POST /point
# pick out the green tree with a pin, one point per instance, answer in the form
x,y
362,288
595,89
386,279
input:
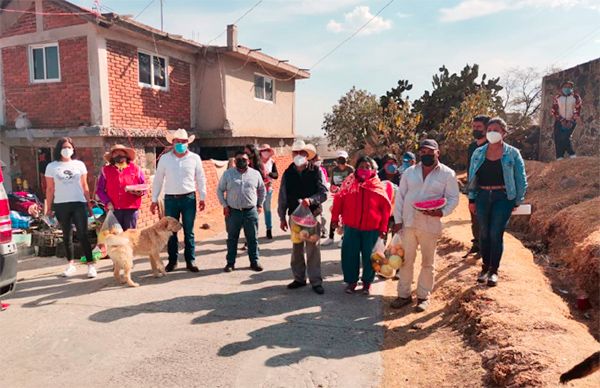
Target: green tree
x,y
455,134
396,132
395,94
353,120
449,91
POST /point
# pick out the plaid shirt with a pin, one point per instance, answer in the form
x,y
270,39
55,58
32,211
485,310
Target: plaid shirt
x,y
566,107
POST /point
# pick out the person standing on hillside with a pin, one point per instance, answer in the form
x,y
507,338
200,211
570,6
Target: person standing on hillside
x,y
566,109
478,127
338,174
180,173
270,168
427,180
241,192
302,185
497,185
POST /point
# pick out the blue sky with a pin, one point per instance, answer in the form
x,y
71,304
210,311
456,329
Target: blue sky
x,y
411,39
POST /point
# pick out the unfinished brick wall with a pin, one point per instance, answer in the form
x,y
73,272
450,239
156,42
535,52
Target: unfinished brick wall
x,y
58,21
133,106
24,25
49,105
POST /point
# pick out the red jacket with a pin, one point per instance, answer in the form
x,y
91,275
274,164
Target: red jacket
x,y
112,182
363,208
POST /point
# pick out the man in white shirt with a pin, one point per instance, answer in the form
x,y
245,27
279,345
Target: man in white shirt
x,y
185,176
427,180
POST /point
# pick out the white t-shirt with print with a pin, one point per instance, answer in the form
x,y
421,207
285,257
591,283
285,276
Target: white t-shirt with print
x,y
67,180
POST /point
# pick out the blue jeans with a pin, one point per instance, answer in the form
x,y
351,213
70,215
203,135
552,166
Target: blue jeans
x,y
357,247
186,208
267,209
493,213
238,219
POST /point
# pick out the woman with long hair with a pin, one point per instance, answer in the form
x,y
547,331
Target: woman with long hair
x,y
68,196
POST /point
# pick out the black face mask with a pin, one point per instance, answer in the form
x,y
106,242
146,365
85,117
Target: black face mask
x,y
341,161
478,135
242,164
119,159
428,160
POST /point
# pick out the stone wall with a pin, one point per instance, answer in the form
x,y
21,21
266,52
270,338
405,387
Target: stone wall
x,y
586,137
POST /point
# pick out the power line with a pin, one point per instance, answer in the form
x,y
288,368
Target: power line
x,y
235,21
351,35
577,45
145,8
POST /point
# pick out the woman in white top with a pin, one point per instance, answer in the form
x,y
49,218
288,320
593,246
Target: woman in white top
x,y
68,196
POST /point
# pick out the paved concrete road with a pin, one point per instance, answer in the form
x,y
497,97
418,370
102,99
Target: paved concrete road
x,y
211,329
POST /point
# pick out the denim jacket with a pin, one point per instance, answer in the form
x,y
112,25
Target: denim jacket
x,y
513,169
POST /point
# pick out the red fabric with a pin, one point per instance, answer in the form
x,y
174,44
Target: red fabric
x,y
115,186
363,205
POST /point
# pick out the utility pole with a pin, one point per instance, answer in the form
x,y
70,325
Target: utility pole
x,y
161,16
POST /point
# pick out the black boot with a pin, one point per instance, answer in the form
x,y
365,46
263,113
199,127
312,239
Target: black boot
x,y
269,234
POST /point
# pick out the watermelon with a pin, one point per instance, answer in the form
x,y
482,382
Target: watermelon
x,y
142,187
433,204
308,222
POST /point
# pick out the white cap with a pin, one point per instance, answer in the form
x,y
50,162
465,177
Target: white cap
x,y
342,154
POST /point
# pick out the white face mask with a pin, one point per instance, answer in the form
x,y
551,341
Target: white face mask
x,y
66,152
319,163
493,137
299,160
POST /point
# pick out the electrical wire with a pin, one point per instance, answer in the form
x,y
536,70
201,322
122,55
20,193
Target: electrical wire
x,y
235,21
145,8
351,36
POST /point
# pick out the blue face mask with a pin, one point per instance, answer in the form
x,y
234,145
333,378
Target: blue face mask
x,y
567,91
180,148
405,165
391,168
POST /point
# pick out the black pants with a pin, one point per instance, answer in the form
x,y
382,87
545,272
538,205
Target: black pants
x,y
562,139
70,213
475,230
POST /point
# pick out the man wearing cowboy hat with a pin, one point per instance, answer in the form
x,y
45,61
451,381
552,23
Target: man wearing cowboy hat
x,y
112,188
266,156
185,177
302,185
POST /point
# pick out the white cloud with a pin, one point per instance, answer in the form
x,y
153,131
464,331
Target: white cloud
x,y
402,15
357,18
470,9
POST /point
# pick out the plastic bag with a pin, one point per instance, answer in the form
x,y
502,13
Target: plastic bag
x,y
303,226
379,261
395,251
110,226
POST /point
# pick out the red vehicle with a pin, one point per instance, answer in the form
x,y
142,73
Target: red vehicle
x,y
8,249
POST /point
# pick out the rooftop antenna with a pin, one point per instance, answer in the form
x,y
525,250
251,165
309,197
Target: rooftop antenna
x,y
161,16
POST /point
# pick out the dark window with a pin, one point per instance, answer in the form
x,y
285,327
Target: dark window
x,y
38,64
45,64
263,88
145,68
51,62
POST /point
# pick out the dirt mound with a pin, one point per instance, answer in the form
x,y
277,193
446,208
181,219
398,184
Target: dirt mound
x,y
565,196
520,332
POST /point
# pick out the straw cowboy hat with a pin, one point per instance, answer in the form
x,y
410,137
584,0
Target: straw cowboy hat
x,y
119,147
266,147
300,145
180,134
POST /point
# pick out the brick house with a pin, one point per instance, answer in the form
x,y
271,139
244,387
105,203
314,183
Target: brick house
x,y
104,79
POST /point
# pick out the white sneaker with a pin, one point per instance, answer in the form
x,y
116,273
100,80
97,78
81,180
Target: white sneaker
x,y
572,156
70,271
340,243
557,159
328,241
92,271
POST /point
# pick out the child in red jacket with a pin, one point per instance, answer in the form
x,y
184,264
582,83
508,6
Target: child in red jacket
x,y
364,204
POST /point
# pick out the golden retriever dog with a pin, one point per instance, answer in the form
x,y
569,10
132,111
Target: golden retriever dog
x,y
151,241
121,253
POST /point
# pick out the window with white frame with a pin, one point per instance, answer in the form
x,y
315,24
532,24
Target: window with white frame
x,y
44,63
152,70
263,88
